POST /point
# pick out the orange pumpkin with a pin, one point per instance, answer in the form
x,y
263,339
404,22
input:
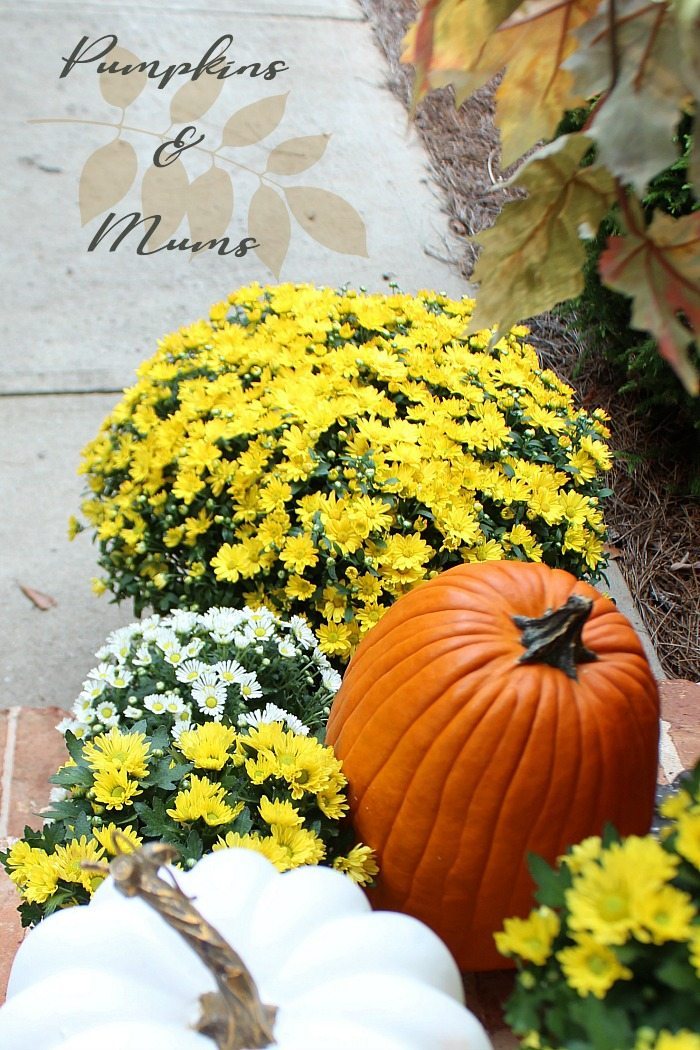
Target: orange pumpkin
x,y
501,708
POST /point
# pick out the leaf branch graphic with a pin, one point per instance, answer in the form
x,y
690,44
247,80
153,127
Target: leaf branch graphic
x,y
208,201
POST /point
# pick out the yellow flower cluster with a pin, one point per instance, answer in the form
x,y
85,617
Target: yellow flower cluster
x,y
325,451
38,874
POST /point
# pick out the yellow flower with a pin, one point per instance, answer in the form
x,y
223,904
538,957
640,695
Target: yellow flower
x,y
119,751
203,800
39,879
359,865
298,553
591,968
265,845
208,746
334,639
688,839
665,916
583,852
68,860
113,788
693,948
530,938
296,846
681,1040
115,840
281,813
674,805
606,897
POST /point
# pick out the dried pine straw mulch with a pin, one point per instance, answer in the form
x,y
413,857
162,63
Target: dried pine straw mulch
x,y
654,531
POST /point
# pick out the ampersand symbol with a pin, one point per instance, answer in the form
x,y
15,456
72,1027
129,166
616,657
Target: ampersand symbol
x,y
179,145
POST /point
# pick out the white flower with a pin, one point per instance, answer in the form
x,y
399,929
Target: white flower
x,y
101,673
108,713
166,640
250,686
178,728
58,794
193,648
287,649
142,657
156,703
221,623
81,705
273,713
93,689
175,657
173,702
258,631
80,730
150,628
302,632
209,694
229,671
132,712
120,677
331,679
66,725
190,670
183,621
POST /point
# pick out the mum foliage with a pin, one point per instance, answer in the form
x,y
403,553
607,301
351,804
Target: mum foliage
x,y
325,451
611,958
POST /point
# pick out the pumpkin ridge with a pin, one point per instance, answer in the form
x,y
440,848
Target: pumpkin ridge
x,y
341,740
474,795
393,828
494,846
358,794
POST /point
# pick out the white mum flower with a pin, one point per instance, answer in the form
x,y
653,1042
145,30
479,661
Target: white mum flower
x,y
302,632
331,679
142,657
166,640
66,725
250,686
108,713
193,648
132,712
229,671
101,673
209,694
82,704
287,649
182,621
156,703
93,689
120,677
273,713
190,670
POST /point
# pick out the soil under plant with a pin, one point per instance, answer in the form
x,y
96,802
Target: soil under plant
x,y
654,524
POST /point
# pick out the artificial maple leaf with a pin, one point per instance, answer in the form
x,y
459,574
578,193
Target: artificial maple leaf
x,y
535,90
659,267
472,40
643,88
532,257
446,43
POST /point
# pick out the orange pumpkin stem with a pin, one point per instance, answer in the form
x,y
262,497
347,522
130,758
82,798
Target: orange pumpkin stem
x,y
555,638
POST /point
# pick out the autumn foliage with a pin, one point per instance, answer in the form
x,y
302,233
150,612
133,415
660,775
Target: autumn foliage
x,y
640,61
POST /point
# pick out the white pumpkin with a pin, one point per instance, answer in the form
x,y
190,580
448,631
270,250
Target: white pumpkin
x,y
112,974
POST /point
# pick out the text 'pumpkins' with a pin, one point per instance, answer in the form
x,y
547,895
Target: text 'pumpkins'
x,y
500,709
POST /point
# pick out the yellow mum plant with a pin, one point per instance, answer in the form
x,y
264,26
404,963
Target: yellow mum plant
x,y
264,787
610,960
324,451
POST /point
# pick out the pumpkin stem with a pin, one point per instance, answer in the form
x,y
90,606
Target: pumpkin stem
x,y
555,638
234,1017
